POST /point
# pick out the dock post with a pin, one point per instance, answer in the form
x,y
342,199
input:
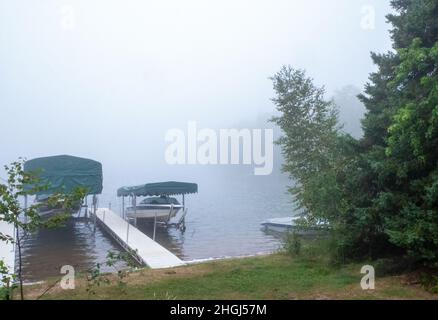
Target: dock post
x,y
135,210
123,208
94,211
170,214
155,225
127,231
86,207
25,208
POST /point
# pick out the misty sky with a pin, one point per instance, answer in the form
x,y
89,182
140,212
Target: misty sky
x,y
106,79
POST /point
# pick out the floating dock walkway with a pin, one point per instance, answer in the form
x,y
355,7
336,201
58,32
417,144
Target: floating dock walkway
x,y
129,237
7,251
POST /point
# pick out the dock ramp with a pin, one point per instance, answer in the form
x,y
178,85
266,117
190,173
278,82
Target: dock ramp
x,y
148,251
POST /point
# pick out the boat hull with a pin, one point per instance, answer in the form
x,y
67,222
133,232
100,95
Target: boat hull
x,y
289,224
163,213
46,211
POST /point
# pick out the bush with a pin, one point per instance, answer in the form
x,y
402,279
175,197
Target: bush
x,y
430,282
292,244
5,293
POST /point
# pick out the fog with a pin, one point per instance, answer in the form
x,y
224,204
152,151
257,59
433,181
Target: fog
x,y
106,79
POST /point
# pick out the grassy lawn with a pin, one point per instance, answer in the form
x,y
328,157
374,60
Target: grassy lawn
x,y
276,276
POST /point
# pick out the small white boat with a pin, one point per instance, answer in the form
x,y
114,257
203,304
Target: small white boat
x,y
290,223
280,224
163,208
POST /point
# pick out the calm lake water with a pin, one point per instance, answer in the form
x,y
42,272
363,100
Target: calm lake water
x,y
223,221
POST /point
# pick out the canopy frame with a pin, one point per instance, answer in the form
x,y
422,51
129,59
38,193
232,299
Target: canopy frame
x,y
64,173
169,188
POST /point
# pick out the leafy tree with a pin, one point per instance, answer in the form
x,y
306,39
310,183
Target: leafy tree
x,y
95,278
310,143
26,220
322,161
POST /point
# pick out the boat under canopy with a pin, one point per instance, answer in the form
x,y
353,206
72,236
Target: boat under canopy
x,y
64,174
159,205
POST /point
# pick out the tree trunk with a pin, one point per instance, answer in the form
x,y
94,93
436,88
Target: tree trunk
x,y
20,276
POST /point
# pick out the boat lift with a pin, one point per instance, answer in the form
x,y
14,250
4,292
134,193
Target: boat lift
x,y
169,188
65,173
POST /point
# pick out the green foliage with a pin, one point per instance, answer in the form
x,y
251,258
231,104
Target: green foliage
x,y
311,143
412,148
308,121
19,184
379,193
7,282
5,293
292,244
319,157
429,281
95,278
414,19
405,175
127,257
28,220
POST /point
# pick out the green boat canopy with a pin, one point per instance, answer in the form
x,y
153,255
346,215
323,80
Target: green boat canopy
x,y
158,189
66,173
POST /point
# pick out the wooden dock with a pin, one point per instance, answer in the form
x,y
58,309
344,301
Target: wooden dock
x,y
129,237
7,251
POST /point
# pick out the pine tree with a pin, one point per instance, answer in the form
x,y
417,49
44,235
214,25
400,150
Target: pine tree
x,y
400,145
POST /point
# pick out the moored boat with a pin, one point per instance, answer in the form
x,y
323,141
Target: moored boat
x,y
163,208
280,224
291,224
158,205
63,174
46,209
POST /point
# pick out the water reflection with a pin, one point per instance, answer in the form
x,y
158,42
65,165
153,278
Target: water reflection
x,y
224,219
169,237
47,250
